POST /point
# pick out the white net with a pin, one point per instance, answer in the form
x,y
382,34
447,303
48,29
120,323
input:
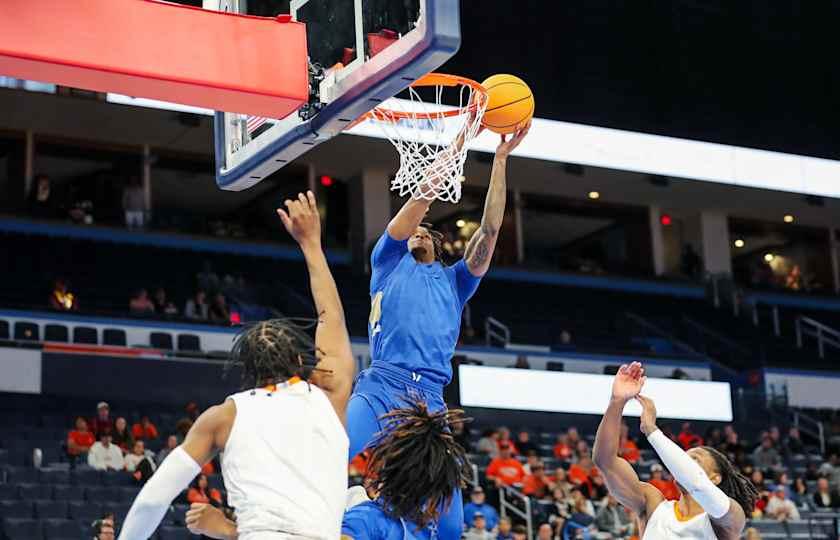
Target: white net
x,y
432,138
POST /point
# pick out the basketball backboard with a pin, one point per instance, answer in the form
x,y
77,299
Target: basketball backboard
x,y
380,46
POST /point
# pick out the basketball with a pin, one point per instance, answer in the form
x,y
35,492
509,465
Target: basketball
x,y
510,103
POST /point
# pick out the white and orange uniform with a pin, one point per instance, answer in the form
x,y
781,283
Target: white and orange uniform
x,y
666,523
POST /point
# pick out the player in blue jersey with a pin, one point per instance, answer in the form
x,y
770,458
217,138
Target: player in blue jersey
x,y
415,316
415,467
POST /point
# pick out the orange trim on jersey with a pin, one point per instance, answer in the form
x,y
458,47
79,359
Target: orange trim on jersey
x,y
678,515
273,387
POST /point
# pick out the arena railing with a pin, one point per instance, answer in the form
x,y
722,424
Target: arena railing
x,y
825,335
507,497
495,330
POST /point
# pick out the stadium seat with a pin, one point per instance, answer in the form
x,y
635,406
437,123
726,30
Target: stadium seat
x,y
114,336
174,533
103,494
120,509
16,509
4,456
27,331
117,478
85,334
53,477
4,329
161,340
555,366
56,332
22,529
189,342
50,509
86,477
21,475
86,511
128,494
8,492
31,492
65,493
58,529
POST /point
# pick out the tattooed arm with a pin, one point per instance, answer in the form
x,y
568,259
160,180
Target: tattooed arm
x,y
480,248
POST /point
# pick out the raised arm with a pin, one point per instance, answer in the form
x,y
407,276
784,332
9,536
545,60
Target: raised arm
x,y
622,481
480,248
204,439
336,368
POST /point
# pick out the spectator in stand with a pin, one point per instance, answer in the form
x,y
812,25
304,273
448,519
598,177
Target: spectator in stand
x,y
581,515
793,443
479,530
488,443
531,460
182,427
545,532
799,495
61,299
163,306
140,304
599,488
538,484
757,478
714,437
505,529
572,437
831,469
627,447
524,444
192,411
505,470
775,436
478,504
687,438
581,472
765,457
613,519
733,448
562,450
667,487
79,440
504,438
105,456
219,312
519,532
812,472
780,507
783,481
359,465
521,362
144,430
43,203
171,444
102,422
459,433
196,308
121,436
103,530
199,492
134,204
824,497
561,482
581,449
139,464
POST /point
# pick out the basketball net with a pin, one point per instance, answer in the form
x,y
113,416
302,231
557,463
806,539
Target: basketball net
x,y
432,137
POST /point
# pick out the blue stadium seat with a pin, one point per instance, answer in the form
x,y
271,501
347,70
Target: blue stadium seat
x,y
8,492
4,456
4,330
84,511
189,342
119,509
86,477
118,478
63,492
31,492
58,529
20,475
180,511
103,494
53,477
27,331
174,533
22,529
51,509
16,509
55,421
128,494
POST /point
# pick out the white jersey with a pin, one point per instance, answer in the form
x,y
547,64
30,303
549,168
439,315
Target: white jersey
x,y
285,464
666,523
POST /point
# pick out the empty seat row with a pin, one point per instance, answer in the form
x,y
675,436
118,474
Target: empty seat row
x,y
59,333
67,492
47,509
65,529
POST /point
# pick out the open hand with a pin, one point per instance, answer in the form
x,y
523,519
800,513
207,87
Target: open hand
x,y
628,381
508,145
648,420
207,520
302,220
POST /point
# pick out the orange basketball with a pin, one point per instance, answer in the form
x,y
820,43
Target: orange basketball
x,y
510,103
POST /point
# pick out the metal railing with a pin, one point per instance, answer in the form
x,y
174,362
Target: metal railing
x,y
648,327
496,330
811,427
825,335
507,495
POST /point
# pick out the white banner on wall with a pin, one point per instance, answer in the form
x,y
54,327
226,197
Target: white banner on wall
x,y
20,370
582,393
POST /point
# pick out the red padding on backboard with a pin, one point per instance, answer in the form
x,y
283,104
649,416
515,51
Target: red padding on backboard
x,y
153,49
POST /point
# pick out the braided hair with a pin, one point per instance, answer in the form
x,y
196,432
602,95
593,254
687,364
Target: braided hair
x,y
416,464
733,483
437,240
271,352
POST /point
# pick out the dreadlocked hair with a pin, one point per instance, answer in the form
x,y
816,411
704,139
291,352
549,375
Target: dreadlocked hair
x,y
733,483
271,352
416,464
437,240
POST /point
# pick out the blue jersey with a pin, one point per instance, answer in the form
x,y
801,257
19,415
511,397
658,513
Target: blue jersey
x,y
367,521
415,314
490,515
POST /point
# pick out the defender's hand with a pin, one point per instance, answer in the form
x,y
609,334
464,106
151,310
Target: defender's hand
x,y
507,146
207,520
302,220
628,381
648,420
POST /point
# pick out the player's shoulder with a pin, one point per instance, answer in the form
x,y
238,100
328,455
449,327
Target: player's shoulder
x,y
366,521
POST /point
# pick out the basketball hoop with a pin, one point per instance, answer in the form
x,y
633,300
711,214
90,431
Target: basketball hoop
x,y
431,136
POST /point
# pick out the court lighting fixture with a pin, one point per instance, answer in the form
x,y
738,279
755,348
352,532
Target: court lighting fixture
x,y
739,243
769,257
460,223
788,218
594,195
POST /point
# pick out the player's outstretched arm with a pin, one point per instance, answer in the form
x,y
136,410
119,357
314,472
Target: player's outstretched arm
x,y
410,216
480,248
725,512
205,437
622,481
332,342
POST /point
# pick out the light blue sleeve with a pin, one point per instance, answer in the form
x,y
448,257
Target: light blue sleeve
x,y
385,257
465,283
356,524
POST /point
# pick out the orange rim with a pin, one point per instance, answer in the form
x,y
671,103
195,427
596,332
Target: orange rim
x,y
430,79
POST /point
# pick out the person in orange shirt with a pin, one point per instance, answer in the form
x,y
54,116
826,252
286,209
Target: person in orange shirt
x,y
200,493
562,450
667,487
626,447
687,438
505,470
504,438
144,430
537,484
580,473
80,439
